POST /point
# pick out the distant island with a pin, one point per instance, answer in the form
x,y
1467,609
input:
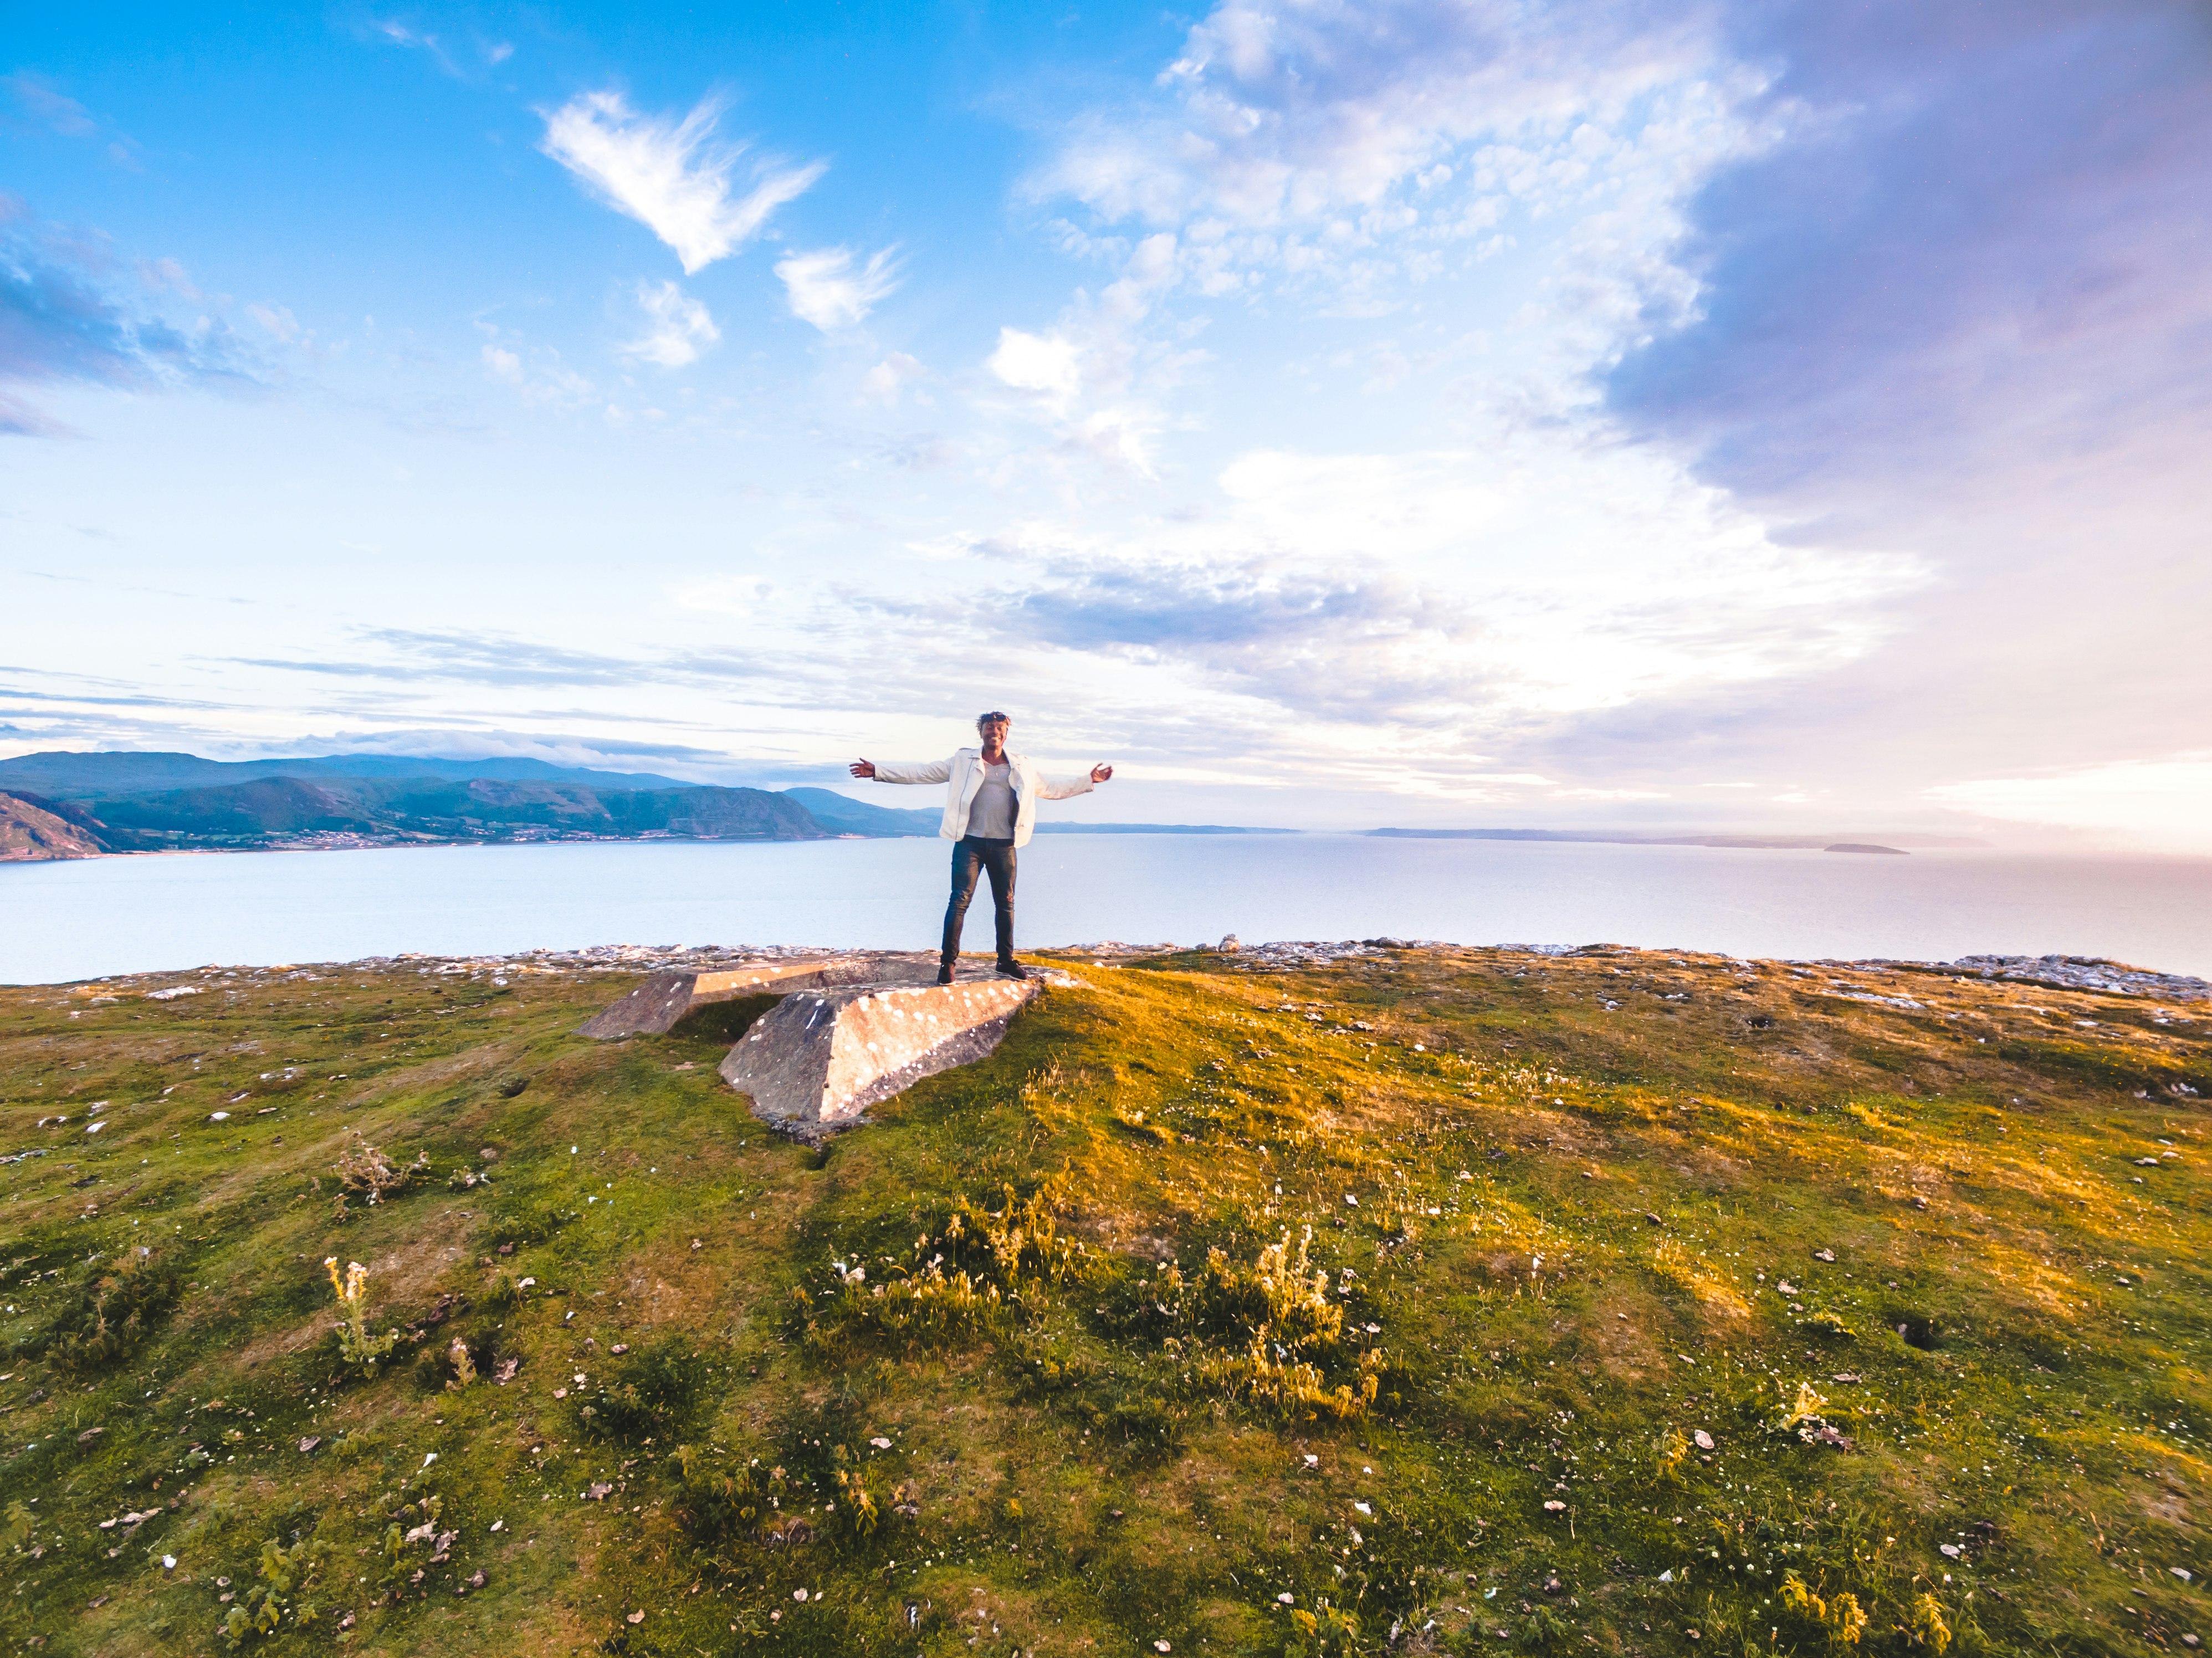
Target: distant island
x,y
64,805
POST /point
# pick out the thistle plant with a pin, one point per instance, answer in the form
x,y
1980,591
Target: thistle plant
x,y
356,1344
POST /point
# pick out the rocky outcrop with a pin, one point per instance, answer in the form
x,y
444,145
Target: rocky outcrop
x,y
654,1007
32,830
2085,973
813,1065
850,1029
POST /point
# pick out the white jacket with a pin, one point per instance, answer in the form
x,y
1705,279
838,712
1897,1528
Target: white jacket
x,y
964,777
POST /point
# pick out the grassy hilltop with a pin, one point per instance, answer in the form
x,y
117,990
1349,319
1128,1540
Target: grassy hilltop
x,y
1444,1301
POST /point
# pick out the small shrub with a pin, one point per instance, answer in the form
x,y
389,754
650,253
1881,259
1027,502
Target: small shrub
x,y
273,1605
1326,1631
366,1170
720,1504
1839,1616
652,1393
413,1542
860,1508
1925,1627
113,1311
1543,1631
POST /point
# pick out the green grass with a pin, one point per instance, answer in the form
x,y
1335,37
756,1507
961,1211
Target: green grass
x,y
1038,1360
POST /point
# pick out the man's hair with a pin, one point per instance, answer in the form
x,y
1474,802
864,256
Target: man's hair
x,y
983,719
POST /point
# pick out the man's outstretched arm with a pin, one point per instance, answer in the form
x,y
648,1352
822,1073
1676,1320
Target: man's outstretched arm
x,y
1049,790
900,771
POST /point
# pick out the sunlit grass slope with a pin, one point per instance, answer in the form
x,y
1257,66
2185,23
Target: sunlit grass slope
x,y
1451,1301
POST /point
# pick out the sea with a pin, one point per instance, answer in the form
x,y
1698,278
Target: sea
x,y
81,920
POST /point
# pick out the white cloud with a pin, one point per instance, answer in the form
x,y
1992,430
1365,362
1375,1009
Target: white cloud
x,y
2165,803
670,176
825,289
1473,591
277,320
887,379
167,276
1049,365
544,380
677,328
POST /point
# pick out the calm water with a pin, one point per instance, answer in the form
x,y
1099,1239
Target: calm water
x,y
72,920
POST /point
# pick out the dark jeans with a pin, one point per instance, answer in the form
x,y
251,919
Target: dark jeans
x,y
971,854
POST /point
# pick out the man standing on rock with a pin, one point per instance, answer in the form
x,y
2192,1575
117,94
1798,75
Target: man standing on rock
x,y
990,811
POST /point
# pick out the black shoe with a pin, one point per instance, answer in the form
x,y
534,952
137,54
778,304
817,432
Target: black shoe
x,y
1012,970
944,973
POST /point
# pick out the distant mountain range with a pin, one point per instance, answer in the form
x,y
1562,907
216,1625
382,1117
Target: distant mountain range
x,y
80,806
72,776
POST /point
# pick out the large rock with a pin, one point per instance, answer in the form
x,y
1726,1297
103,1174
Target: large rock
x,y
654,1007
815,1063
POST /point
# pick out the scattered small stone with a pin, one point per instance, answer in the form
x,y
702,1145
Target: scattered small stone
x,y
598,1493
619,1347
1705,1441
310,1442
2182,1572
638,1616
1949,1551
1823,1255
1653,1218
1844,1375
1553,1505
881,1443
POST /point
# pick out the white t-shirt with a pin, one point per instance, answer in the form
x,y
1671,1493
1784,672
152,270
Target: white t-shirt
x,y
991,814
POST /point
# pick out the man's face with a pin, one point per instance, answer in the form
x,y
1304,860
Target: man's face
x,y
993,732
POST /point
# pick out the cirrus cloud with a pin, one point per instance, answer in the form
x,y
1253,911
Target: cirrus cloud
x,y
678,329
670,176
826,288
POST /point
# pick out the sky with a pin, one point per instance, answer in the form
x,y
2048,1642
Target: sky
x,y
1677,417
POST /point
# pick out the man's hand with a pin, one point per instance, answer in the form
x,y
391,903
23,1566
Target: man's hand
x,y
863,769
1101,774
